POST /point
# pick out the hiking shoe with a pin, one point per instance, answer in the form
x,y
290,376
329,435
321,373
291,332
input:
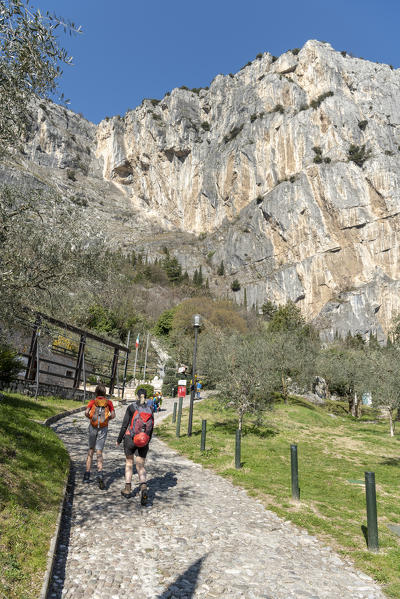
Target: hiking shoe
x,y
127,490
101,482
143,495
86,477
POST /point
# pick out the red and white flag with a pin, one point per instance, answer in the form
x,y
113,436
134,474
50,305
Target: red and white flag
x,y
137,342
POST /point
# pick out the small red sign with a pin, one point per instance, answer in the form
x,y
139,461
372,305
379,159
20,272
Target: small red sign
x,y
181,390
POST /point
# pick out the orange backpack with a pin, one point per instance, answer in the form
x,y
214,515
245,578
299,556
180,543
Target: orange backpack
x,y
99,413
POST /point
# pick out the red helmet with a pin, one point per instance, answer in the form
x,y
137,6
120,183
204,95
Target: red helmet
x,y
141,439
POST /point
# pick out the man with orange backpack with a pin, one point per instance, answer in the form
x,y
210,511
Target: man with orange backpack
x,y
99,411
136,431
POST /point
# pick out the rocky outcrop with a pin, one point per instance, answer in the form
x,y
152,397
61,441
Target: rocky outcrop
x,y
287,171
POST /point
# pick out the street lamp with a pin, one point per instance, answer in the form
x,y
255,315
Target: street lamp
x,y
196,325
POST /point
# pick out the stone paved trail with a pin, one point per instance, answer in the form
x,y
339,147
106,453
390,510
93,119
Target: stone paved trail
x,y
199,536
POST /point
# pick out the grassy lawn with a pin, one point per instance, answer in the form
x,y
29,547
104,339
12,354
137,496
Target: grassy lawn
x,y
332,450
33,467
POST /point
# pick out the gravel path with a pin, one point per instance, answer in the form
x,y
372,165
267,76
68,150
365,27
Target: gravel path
x,y
199,536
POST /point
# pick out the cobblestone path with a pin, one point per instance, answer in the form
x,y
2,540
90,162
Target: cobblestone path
x,y
199,536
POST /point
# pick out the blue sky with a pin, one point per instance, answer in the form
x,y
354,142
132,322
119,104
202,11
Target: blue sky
x,y
130,49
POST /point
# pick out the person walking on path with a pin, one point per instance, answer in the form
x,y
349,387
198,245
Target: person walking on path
x,y
99,411
136,431
198,389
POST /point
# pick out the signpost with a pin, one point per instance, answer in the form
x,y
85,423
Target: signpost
x,y
182,388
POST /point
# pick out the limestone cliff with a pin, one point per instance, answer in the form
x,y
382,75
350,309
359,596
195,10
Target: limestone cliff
x,y
288,171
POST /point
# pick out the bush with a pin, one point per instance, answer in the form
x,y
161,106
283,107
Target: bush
x,y
71,175
303,107
235,286
233,133
295,51
343,53
205,126
362,124
259,199
148,388
10,365
259,55
154,101
358,154
316,103
164,323
278,108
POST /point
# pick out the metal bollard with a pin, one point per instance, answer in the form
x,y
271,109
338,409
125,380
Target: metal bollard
x,y
178,420
237,450
295,472
372,518
203,435
174,412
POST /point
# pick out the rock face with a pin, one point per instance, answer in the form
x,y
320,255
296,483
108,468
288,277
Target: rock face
x,y
287,171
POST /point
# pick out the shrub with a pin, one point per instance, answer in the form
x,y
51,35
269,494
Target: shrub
x,y
274,58
148,388
389,153
259,55
278,108
259,199
235,286
295,51
316,103
253,118
221,269
292,179
154,101
164,323
317,159
205,126
362,124
327,160
343,53
184,87
233,133
303,107
71,175
10,365
358,154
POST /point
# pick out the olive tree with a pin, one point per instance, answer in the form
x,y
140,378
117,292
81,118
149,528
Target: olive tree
x,y
30,62
345,370
383,381
242,369
46,250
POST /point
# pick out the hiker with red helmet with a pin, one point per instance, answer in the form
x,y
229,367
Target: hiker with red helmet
x,y
136,431
99,411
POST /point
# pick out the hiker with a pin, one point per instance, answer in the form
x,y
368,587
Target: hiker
x,y
136,431
99,411
198,389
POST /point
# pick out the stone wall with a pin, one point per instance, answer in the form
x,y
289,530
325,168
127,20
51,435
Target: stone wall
x,y
46,390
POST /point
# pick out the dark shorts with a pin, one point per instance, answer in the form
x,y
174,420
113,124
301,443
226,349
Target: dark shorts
x,y
131,449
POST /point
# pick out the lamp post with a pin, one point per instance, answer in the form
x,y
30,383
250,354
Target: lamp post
x,y
196,325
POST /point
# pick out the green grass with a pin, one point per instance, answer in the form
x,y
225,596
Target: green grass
x,y
332,450
33,467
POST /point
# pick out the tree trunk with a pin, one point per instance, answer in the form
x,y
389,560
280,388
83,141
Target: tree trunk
x,y
240,421
284,389
391,422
